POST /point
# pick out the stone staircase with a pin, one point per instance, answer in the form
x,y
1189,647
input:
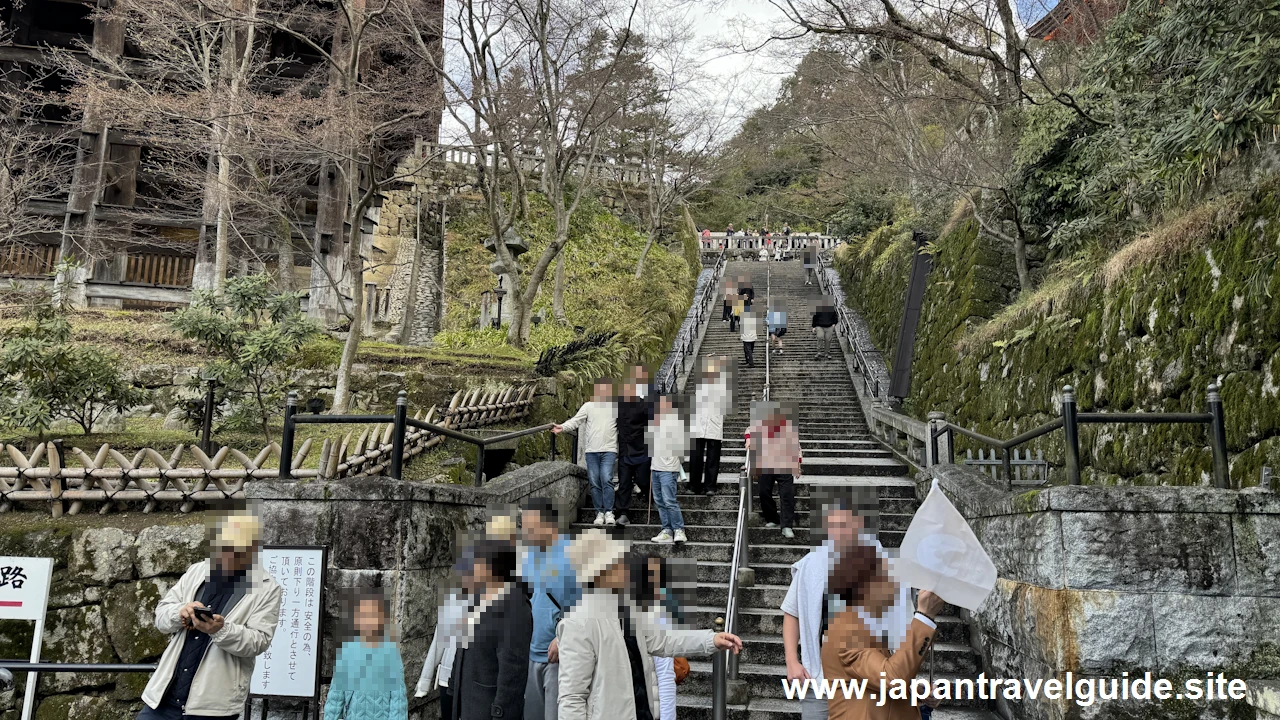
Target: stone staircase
x,y
838,449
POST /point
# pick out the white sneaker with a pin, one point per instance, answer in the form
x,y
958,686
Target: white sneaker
x,y
599,519
680,536
771,525
608,519
788,533
664,537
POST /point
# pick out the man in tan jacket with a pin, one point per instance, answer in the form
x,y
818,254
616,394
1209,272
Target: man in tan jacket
x,y
221,615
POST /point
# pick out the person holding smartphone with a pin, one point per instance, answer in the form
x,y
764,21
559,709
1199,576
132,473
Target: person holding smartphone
x,y
220,616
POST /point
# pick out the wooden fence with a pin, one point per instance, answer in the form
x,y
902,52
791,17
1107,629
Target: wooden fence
x,y
187,476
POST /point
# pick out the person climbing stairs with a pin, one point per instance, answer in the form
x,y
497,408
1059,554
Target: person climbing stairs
x,y
838,449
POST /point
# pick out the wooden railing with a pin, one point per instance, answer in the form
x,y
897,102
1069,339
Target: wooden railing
x,y
186,476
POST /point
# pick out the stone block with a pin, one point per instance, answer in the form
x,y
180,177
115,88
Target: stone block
x,y
1257,554
65,594
169,550
1026,548
1152,552
102,556
1204,632
151,376
372,535
23,542
432,534
295,522
76,634
1090,631
175,419
418,600
129,611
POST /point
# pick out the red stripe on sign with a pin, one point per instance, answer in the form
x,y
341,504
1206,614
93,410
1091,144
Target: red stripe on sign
x,y
10,603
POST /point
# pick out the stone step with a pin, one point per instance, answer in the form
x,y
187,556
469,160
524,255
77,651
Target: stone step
x,y
766,680
948,653
698,707
826,465
892,514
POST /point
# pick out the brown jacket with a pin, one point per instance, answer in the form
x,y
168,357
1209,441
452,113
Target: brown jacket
x,y
850,652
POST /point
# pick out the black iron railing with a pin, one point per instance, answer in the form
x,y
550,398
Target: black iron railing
x,y
1070,420
866,362
685,345
400,424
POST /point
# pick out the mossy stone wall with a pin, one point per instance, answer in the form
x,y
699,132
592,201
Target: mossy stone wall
x,y
1148,339
109,573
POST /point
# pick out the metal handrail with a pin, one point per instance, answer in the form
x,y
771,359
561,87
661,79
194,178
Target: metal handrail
x,y
1069,421
845,328
768,304
724,662
401,422
686,341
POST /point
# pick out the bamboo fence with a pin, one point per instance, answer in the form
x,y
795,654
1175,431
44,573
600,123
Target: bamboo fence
x,y
187,476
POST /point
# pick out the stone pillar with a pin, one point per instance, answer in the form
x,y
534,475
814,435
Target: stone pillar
x,y
399,536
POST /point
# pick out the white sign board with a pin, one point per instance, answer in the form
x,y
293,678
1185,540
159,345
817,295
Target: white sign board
x,y
291,665
24,587
24,595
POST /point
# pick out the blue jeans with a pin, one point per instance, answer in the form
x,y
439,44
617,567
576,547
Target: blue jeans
x,y
600,473
664,496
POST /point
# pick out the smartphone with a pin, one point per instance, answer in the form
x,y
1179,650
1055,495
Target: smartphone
x,y
203,613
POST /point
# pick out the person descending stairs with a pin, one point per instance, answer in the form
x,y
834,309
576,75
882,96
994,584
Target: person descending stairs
x,y
838,449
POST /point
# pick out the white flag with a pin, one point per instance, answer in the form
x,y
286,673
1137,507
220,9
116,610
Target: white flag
x,y
942,555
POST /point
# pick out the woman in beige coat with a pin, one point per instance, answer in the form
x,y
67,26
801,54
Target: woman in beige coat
x,y
606,642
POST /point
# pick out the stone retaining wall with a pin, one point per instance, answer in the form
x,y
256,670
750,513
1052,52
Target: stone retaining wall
x,y
399,536
110,571
1177,581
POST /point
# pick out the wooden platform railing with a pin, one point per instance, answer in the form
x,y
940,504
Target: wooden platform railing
x,y
187,477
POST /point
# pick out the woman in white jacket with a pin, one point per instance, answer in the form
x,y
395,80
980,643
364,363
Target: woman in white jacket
x,y
606,643
706,427
438,667
600,445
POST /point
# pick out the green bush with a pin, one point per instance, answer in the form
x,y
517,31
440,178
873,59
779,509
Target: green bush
x,y
252,332
44,375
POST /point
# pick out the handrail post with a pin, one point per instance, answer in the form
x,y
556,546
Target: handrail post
x,y
397,434
1218,439
1006,467
1071,434
938,447
286,437
719,680
479,464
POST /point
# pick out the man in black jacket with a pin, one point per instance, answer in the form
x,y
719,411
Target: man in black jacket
x,y
491,667
824,323
635,411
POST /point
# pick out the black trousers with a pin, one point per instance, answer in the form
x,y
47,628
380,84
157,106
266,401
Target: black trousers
x,y
704,465
728,312
629,475
749,350
446,702
786,493
733,323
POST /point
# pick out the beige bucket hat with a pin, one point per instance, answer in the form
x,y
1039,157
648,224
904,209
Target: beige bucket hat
x,y
592,552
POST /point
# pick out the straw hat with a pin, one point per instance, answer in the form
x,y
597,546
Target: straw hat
x,y
593,551
238,532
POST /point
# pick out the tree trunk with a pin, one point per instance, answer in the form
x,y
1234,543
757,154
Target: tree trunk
x,y
1023,265
653,236
557,298
356,204
221,251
